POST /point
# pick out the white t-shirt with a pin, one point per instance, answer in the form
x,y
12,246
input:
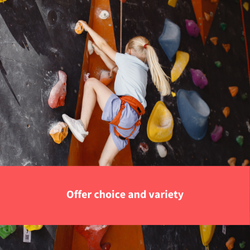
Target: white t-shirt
x,y
131,78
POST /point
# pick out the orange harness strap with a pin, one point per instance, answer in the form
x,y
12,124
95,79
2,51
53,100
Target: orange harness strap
x,y
137,106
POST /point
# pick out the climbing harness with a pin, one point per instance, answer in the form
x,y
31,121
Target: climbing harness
x,y
139,109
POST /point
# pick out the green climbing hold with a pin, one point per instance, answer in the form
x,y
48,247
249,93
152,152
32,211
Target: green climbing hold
x,y
244,96
242,244
223,26
240,139
218,64
6,230
236,1
242,38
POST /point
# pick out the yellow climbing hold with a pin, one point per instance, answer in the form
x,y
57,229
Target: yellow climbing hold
x,y
2,1
181,62
173,94
79,28
160,123
246,6
59,132
207,233
172,2
33,227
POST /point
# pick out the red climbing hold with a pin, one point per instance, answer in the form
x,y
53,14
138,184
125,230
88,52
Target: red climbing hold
x,y
105,246
143,147
86,77
58,92
93,235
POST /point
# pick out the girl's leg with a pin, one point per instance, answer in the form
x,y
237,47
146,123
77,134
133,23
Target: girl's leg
x,y
94,91
108,153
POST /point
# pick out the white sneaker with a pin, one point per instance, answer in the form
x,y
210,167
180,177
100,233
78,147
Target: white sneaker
x,y
76,127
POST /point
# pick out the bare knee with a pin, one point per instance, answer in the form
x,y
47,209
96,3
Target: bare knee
x,y
105,161
90,83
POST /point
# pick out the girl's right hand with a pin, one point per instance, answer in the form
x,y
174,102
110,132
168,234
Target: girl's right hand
x,y
84,25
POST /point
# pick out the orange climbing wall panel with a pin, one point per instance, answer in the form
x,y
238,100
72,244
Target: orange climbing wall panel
x,y
200,7
120,237
88,152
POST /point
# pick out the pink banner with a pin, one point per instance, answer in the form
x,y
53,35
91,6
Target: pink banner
x,y
125,195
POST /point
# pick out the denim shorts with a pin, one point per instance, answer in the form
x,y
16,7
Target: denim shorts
x,y
128,118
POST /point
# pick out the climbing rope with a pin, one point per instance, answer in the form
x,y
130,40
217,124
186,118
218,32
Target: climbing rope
x,y
121,27
244,29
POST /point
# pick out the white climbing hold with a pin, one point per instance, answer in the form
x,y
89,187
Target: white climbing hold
x,y
248,126
90,47
161,150
104,14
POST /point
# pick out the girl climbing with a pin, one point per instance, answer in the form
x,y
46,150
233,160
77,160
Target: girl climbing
x,y
123,112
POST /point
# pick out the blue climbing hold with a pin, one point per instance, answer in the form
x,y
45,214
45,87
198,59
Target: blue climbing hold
x,y
170,39
193,112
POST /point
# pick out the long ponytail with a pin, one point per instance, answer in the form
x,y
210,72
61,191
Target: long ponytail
x,y
144,51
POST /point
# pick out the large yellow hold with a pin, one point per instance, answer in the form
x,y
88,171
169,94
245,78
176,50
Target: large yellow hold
x,y
181,62
172,3
160,124
2,1
33,227
207,233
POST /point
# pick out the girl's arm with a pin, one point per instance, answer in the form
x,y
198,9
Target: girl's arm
x,y
109,63
99,41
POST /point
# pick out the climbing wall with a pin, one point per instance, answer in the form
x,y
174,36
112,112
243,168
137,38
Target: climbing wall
x,y
147,19
42,239
119,236
188,237
154,237
38,42
98,130
31,57
204,12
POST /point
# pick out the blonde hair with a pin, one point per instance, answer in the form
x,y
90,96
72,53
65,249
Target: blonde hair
x,y
145,52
